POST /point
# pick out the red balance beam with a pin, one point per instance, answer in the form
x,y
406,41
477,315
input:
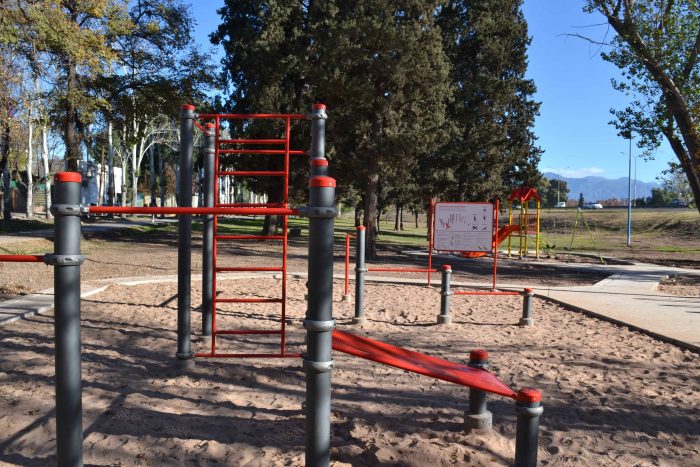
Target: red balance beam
x,y
416,362
484,292
193,211
399,270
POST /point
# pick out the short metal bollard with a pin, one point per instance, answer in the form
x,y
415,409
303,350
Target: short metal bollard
x,y
360,271
527,319
445,292
477,417
528,406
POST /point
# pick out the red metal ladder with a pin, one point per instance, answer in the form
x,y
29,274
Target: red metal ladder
x,y
242,146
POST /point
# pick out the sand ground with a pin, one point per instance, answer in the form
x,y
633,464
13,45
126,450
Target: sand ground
x,y
611,396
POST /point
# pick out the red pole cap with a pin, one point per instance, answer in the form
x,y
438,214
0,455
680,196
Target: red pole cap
x,y
528,395
68,177
209,125
360,227
187,107
322,182
478,355
527,290
319,162
318,106
447,267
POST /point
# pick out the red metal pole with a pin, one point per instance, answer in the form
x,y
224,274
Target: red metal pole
x,y
214,247
287,136
430,239
21,258
347,262
193,211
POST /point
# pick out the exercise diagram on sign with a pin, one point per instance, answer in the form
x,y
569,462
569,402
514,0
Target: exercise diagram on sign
x,y
463,227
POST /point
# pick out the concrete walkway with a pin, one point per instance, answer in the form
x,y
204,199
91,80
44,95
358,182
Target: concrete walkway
x,y
628,297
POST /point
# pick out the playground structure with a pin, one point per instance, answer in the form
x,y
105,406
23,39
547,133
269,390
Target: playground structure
x,y
527,225
319,323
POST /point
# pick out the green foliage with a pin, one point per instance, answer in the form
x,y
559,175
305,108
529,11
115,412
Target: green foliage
x,y
581,201
656,47
552,191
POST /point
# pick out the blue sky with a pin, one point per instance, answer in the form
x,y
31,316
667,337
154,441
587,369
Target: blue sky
x,y
573,85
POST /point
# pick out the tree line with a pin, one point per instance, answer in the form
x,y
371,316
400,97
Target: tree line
x,y
428,99
95,79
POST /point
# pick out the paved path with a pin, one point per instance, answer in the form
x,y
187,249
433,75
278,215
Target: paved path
x,y
627,297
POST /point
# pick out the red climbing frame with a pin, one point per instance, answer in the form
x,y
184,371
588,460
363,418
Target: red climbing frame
x,y
223,146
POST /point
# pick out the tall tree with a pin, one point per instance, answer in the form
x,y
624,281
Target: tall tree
x,y
492,147
383,71
657,46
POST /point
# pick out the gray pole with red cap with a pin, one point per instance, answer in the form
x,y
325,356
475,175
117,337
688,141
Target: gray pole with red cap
x,y
526,319
208,230
445,293
528,407
360,270
184,239
319,323
66,261
478,417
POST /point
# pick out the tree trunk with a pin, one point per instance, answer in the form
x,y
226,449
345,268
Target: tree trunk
x,y
152,169
371,200
358,215
396,220
124,180
134,181
111,189
415,214
401,218
30,162
70,119
45,161
4,153
161,173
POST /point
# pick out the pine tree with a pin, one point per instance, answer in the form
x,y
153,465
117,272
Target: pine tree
x,y
492,148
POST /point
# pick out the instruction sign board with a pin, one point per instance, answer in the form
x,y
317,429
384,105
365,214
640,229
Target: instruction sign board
x,y
463,227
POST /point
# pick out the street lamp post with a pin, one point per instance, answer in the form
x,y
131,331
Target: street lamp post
x,y
629,195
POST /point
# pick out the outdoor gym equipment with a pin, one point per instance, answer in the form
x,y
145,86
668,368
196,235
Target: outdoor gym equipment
x,y
319,323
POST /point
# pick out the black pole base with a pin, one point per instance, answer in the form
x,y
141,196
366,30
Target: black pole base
x,y
359,320
184,363
478,422
444,319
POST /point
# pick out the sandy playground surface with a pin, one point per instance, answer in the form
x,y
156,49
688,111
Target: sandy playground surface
x,y
611,396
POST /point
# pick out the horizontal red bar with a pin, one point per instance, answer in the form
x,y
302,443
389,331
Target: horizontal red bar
x,y
494,292
252,141
250,268
252,173
399,270
248,300
21,258
251,205
253,116
192,211
247,355
251,331
250,237
295,152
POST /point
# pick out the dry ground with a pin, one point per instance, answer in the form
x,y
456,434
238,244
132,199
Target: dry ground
x,y
612,397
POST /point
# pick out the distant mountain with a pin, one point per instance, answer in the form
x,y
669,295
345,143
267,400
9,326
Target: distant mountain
x,y
599,188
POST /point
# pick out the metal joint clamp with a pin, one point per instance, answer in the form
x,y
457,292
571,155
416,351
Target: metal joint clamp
x,y
319,212
63,260
446,293
319,326
65,209
360,269
318,367
317,115
530,412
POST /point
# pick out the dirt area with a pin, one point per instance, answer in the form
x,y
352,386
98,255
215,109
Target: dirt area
x,y
611,396
682,286
115,253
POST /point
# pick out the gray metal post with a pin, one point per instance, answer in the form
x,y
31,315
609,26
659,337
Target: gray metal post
x,y
184,239
319,323
445,292
527,319
208,230
477,417
67,260
317,150
360,271
528,407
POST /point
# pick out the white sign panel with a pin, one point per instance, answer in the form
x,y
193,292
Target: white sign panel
x,y
463,227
